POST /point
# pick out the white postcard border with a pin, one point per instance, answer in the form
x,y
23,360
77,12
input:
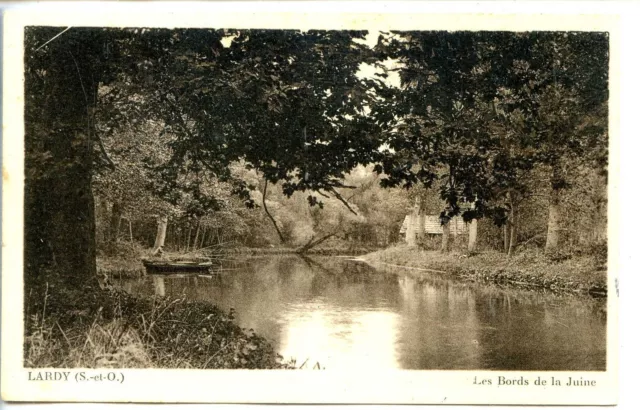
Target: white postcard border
x,y
239,386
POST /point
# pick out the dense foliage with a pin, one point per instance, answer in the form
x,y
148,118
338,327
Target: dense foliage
x,y
198,126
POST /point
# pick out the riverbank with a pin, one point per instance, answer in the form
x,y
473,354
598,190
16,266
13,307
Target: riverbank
x,y
120,267
91,328
355,250
130,265
576,275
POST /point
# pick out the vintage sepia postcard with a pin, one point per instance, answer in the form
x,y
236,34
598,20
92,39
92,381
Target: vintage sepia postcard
x,y
309,203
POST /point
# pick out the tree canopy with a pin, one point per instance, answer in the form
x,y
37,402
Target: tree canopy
x,y
476,110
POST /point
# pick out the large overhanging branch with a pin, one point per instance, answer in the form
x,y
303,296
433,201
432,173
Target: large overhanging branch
x,y
341,185
104,152
344,201
266,210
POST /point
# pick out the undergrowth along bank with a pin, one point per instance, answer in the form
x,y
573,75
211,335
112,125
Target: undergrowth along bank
x,y
531,270
68,328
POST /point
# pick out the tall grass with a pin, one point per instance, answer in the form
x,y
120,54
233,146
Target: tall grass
x,y
68,328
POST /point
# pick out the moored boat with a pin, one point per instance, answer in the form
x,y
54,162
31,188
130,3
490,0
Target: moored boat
x,y
177,266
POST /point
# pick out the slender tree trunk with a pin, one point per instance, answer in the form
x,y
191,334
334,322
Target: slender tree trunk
x,y
183,240
446,233
473,235
553,224
410,232
266,210
420,221
115,222
505,236
454,223
161,233
413,227
103,213
204,236
420,225
188,238
513,232
131,233
195,240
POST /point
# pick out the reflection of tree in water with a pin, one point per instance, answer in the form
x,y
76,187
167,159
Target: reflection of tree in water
x,y
193,287
351,282
512,329
449,324
549,335
349,271
286,268
158,285
440,327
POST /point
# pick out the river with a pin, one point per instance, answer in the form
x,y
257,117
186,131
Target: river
x,y
333,312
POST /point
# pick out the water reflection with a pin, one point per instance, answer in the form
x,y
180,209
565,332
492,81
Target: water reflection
x,y
158,285
343,314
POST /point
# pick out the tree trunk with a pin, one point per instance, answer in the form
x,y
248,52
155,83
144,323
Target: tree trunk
x,y
413,225
203,237
420,221
131,233
312,243
102,214
473,235
161,234
553,223
59,210
511,226
513,232
410,233
188,239
505,236
114,223
195,240
266,210
446,233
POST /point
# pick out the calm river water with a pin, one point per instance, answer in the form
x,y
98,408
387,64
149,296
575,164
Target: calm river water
x,y
342,313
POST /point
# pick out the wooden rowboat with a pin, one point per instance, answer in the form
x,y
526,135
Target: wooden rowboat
x,y
177,266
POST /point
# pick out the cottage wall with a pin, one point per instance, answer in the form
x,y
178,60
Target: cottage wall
x,y
432,225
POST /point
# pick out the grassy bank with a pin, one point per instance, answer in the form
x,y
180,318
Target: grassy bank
x,y
579,274
120,267
92,328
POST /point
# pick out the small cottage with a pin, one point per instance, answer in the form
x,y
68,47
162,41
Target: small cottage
x,y
432,225
418,224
